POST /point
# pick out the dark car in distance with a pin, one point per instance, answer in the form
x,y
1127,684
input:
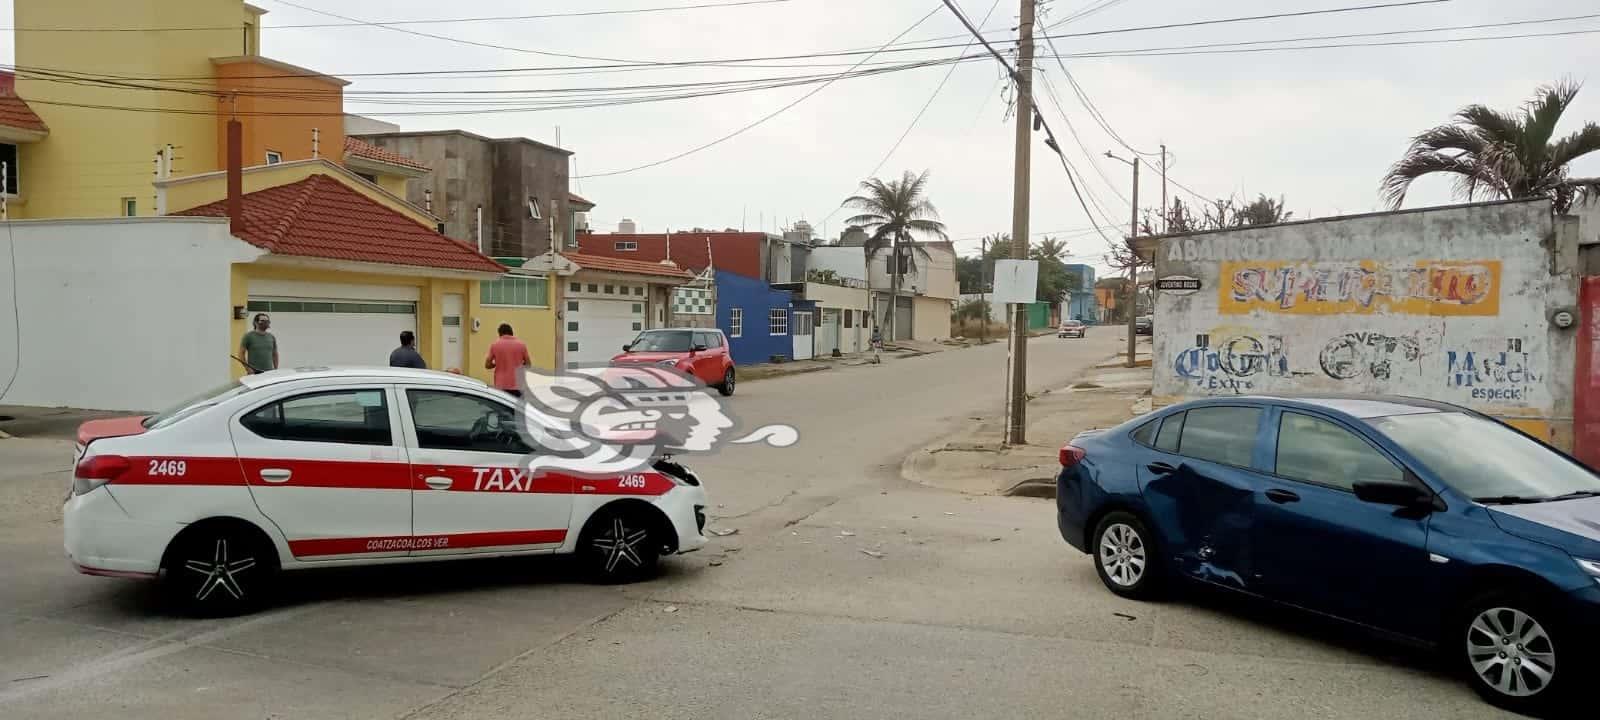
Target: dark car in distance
x,y
1144,325
1419,519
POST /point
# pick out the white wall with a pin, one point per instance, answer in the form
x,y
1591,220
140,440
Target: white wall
x,y
997,311
846,262
359,125
1450,304
117,314
933,275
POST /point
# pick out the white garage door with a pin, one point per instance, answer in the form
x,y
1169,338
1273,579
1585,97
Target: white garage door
x,y
597,329
336,331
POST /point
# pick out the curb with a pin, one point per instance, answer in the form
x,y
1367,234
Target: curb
x,y
791,373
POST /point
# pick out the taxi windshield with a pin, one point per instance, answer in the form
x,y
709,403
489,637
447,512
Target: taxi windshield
x,y
190,405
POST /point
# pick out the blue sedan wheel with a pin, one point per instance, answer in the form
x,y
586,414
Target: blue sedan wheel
x,y
1125,556
1510,651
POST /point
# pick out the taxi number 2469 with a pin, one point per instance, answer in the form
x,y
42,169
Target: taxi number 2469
x,y
170,468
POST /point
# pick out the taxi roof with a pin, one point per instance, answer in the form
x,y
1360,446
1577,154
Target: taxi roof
x,y
386,374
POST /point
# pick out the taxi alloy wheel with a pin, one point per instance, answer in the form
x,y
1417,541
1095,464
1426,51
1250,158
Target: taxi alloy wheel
x,y
618,547
219,571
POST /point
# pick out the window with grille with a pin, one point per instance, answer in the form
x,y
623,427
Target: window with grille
x,y
515,290
778,321
736,322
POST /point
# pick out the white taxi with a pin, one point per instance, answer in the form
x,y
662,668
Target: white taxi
x,y
318,467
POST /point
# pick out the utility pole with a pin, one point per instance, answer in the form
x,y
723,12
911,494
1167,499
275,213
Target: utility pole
x,y
1133,268
983,290
1017,393
1164,217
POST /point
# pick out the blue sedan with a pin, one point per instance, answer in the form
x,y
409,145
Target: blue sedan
x,y
1411,517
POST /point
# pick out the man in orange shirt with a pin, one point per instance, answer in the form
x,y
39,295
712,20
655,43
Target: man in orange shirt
x,y
506,356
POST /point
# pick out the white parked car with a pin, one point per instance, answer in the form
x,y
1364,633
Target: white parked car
x,y
320,467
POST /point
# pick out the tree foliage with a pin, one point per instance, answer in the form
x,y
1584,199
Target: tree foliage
x,y
1494,154
974,273
893,212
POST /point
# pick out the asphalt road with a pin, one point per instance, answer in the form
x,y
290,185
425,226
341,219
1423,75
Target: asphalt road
x,y
846,593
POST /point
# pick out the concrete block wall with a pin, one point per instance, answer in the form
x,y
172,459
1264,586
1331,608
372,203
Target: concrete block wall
x,y
1452,304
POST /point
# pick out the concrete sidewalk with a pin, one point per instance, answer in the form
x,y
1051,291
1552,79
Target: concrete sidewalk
x,y
891,352
977,461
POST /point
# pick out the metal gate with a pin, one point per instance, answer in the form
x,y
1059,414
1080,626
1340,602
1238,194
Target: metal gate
x,y
804,335
828,339
902,318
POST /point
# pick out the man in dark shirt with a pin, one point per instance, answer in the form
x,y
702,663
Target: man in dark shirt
x,y
259,348
406,355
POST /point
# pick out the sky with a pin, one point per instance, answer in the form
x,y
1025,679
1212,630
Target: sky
x,y
1317,127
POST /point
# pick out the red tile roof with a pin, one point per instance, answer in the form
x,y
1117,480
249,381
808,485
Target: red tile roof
x,y
637,267
321,217
14,112
363,149
737,252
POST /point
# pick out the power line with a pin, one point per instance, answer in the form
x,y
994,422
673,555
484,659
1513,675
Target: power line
x,y
435,21
1037,116
920,113
1252,18
496,108
1346,36
761,120
642,64
1189,51
1089,10
727,87
1051,92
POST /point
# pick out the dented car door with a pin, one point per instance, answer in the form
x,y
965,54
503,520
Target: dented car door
x,y
471,492
1199,483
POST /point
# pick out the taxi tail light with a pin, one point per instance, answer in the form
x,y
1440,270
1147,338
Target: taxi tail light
x,y
92,472
1070,455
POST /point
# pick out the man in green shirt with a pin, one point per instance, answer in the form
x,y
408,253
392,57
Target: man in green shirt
x,y
258,348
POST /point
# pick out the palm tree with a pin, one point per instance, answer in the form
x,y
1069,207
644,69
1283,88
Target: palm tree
x,y
1505,155
1262,211
1049,249
892,211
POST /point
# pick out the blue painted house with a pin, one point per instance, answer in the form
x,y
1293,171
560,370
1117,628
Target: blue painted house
x,y
758,320
1081,304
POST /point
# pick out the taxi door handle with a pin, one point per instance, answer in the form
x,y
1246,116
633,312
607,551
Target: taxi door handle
x,y
437,482
275,475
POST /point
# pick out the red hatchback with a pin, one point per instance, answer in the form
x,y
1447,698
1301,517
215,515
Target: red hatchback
x,y
699,352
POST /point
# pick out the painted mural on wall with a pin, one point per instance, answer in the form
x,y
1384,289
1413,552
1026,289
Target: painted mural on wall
x,y
1233,360
1233,363
1345,306
1425,287
1506,375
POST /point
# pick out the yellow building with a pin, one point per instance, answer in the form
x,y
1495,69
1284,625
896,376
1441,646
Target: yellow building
x,y
339,294
345,273
102,135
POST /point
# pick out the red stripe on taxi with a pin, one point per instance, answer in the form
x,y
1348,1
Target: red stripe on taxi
x,y
406,543
369,475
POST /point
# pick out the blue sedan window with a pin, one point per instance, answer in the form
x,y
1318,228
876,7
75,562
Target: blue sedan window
x,y
1220,434
1317,451
1146,434
1171,430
